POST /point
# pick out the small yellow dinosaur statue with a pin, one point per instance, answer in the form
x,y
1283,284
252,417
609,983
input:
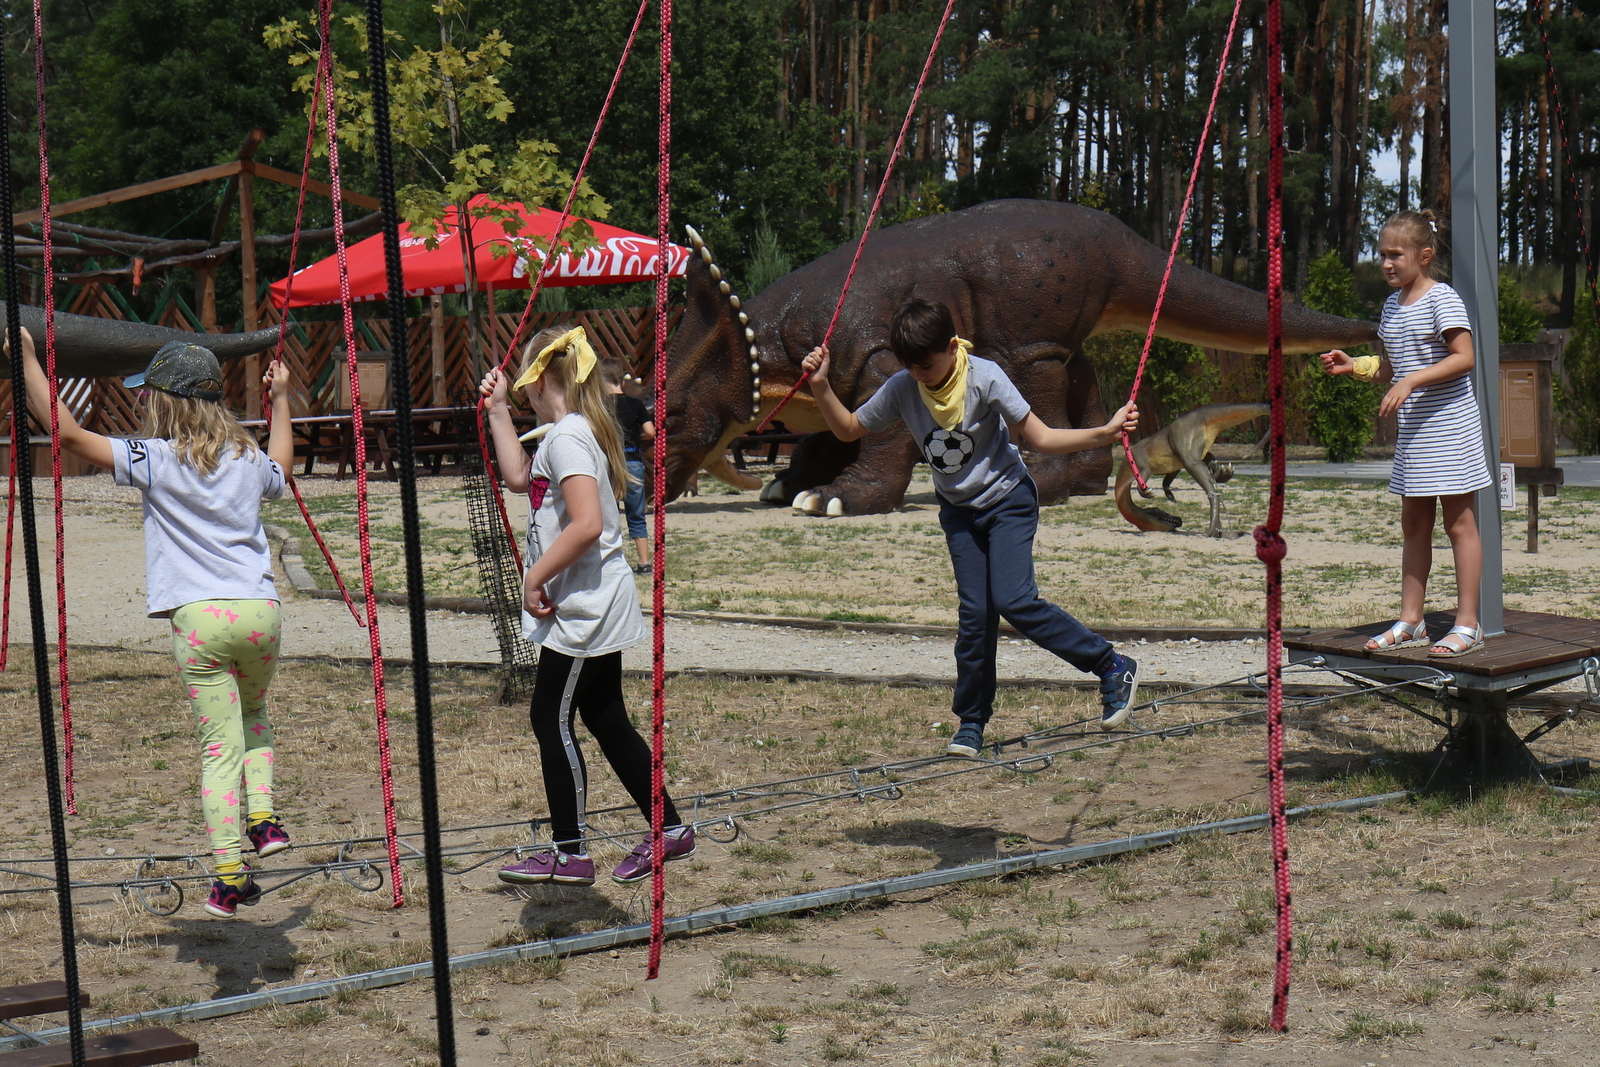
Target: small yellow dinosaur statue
x,y
1185,445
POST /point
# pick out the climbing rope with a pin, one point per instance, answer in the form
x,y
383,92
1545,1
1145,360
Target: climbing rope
x,y
1270,546
537,285
11,528
1177,233
55,413
1566,156
658,620
422,687
324,57
358,429
22,485
877,202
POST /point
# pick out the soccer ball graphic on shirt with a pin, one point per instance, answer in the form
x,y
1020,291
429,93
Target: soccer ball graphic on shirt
x,y
947,450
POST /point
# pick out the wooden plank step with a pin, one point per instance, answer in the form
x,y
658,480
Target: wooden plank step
x,y
131,1048
36,998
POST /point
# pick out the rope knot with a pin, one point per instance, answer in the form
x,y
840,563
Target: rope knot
x,y
1270,548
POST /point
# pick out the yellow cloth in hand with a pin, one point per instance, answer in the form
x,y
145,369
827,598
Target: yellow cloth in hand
x,y
574,341
1364,368
948,403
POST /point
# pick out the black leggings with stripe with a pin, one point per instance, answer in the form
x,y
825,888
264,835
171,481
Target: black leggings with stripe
x,y
590,687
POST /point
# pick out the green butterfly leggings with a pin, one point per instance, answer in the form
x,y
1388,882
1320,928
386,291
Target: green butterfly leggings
x,y
228,653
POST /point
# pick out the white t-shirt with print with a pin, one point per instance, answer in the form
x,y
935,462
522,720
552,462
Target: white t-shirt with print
x,y
202,532
597,603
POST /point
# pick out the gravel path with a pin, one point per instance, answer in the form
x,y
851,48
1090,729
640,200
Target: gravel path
x,y
105,593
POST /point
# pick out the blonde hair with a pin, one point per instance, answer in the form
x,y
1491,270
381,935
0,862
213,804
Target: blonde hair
x,y
588,398
200,430
1417,230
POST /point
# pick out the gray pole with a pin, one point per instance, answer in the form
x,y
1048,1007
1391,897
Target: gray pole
x,y
1475,241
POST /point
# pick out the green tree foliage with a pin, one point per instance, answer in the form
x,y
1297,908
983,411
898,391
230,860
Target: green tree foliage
x,y
1577,400
1520,318
1339,410
1178,377
769,262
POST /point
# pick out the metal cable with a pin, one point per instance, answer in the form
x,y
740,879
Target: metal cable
x,y
421,678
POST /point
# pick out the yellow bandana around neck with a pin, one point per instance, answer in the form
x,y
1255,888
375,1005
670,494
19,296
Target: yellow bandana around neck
x,y
574,341
948,403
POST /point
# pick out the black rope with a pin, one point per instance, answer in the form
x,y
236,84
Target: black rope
x,y
30,547
400,379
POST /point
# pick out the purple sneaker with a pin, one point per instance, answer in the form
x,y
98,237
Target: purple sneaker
x,y
550,865
639,863
226,899
269,838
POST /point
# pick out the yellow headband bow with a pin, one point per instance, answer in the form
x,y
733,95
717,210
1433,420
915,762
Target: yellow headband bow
x,y
575,341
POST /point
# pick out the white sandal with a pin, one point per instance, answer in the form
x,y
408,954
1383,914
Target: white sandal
x,y
1401,635
1474,641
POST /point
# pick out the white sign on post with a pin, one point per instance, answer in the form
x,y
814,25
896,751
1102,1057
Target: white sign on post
x,y
1508,487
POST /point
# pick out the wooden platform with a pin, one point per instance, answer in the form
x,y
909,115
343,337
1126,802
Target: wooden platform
x,y
1535,647
130,1048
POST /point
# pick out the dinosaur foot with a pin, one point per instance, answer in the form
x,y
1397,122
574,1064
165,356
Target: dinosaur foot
x,y
812,502
775,492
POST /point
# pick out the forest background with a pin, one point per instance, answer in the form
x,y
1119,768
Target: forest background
x,y
785,109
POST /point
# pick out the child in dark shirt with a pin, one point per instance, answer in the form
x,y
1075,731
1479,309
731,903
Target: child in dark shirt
x,y
633,418
963,410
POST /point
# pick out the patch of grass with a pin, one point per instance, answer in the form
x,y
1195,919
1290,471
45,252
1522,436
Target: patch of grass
x,y
1452,920
984,952
1362,1026
743,964
763,852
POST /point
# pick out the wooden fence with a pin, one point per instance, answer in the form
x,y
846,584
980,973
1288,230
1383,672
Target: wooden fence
x,y
442,367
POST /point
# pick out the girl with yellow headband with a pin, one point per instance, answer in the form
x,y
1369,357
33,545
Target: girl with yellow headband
x,y
962,411
580,604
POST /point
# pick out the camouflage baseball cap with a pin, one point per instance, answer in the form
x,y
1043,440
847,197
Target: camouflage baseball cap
x,y
182,369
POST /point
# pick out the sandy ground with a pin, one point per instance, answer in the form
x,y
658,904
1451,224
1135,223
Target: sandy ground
x,y
1085,554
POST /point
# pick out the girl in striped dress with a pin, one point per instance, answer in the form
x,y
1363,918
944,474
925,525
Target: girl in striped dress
x,y
1439,460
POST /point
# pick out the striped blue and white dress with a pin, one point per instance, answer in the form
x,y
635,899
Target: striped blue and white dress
x,y
1439,444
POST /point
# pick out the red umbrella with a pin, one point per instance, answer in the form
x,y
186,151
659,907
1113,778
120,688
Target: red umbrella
x,y
619,256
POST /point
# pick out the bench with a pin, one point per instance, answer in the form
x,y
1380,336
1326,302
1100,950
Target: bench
x,y
131,1048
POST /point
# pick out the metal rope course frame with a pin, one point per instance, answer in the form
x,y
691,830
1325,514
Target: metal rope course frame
x,y
162,894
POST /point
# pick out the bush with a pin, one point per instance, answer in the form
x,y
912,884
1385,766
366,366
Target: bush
x,y
768,262
1339,411
1178,377
1520,319
1577,400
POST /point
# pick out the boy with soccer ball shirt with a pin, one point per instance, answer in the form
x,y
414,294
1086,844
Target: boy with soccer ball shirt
x,y
962,411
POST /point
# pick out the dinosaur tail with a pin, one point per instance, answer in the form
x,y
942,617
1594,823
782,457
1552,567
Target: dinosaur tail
x,y
1153,519
1203,309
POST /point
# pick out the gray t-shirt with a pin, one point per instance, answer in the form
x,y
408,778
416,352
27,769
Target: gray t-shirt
x,y
974,464
597,604
202,532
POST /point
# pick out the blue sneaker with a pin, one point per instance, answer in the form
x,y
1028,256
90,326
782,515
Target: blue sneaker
x,y
1116,693
968,740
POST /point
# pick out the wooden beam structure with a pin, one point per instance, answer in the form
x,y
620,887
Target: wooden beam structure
x,y
235,168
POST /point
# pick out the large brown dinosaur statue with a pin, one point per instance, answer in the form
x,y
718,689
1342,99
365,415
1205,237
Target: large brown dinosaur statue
x,y
1184,445
1028,281
90,347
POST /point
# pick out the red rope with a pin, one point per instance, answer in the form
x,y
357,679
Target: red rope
x,y
1566,156
658,596
55,414
1270,547
877,202
324,57
1177,233
538,276
358,427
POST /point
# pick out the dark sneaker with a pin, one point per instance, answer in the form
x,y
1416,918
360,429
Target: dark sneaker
x,y
550,865
1116,693
968,740
268,838
226,899
640,863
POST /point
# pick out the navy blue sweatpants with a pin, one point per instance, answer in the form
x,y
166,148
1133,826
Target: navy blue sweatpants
x,y
991,550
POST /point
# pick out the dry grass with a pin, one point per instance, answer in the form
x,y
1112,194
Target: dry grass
x,y
1434,930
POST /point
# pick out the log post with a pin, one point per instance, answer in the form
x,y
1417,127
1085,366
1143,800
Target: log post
x,y
206,281
247,271
439,395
